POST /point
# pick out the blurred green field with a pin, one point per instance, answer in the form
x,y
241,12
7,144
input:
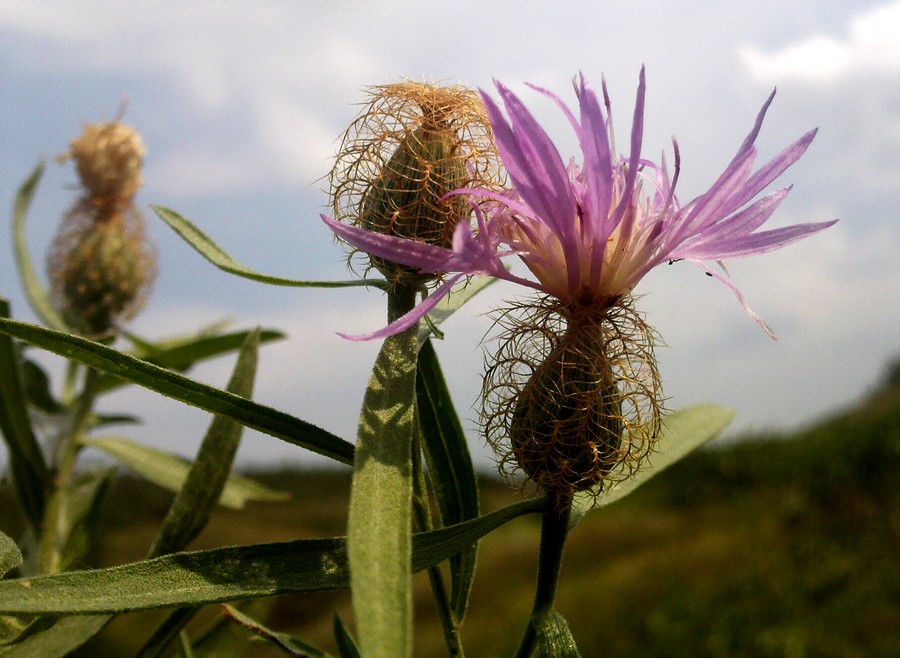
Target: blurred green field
x,y
775,546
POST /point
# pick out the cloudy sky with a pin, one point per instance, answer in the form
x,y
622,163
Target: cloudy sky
x,y
240,104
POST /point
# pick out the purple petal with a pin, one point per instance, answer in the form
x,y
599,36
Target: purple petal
x,y
597,168
754,132
426,257
773,169
737,293
757,243
406,321
593,138
475,253
533,163
537,171
637,136
705,210
735,227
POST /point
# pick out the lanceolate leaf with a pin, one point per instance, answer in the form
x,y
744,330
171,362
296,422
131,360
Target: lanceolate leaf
x,y
183,354
10,555
63,636
34,289
449,467
212,252
683,432
207,478
29,472
170,472
86,495
250,414
379,524
345,643
36,384
228,574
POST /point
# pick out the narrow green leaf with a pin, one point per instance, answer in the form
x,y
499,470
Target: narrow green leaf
x,y
146,346
10,629
289,645
61,638
270,421
379,523
345,643
83,504
553,639
212,252
171,472
228,574
101,420
683,432
37,388
36,384
18,630
449,467
34,290
26,463
182,354
208,478
10,555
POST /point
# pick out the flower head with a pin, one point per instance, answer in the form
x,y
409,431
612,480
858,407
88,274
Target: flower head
x,y
108,157
411,146
101,263
589,232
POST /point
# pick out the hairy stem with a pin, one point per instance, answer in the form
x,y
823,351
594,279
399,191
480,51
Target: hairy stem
x,y
57,523
554,530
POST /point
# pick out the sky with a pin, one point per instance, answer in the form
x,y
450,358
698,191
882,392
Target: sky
x,y
240,105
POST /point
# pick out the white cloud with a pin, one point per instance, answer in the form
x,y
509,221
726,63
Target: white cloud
x,y
871,46
195,170
831,299
819,58
269,70
850,84
301,141
250,96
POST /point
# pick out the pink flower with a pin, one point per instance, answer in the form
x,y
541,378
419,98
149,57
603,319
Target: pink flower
x,y
590,232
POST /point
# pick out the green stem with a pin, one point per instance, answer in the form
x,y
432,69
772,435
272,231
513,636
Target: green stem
x,y
70,381
401,299
56,524
554,530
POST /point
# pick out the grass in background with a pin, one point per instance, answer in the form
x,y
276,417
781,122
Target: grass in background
x,y
776,546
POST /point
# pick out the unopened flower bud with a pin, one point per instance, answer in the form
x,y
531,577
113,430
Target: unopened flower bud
x,y
108,157
100,263
413,144
100,270
407,198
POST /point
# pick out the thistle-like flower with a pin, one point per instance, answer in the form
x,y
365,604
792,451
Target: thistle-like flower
x,y
411,146
589,233
574,386
101,264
